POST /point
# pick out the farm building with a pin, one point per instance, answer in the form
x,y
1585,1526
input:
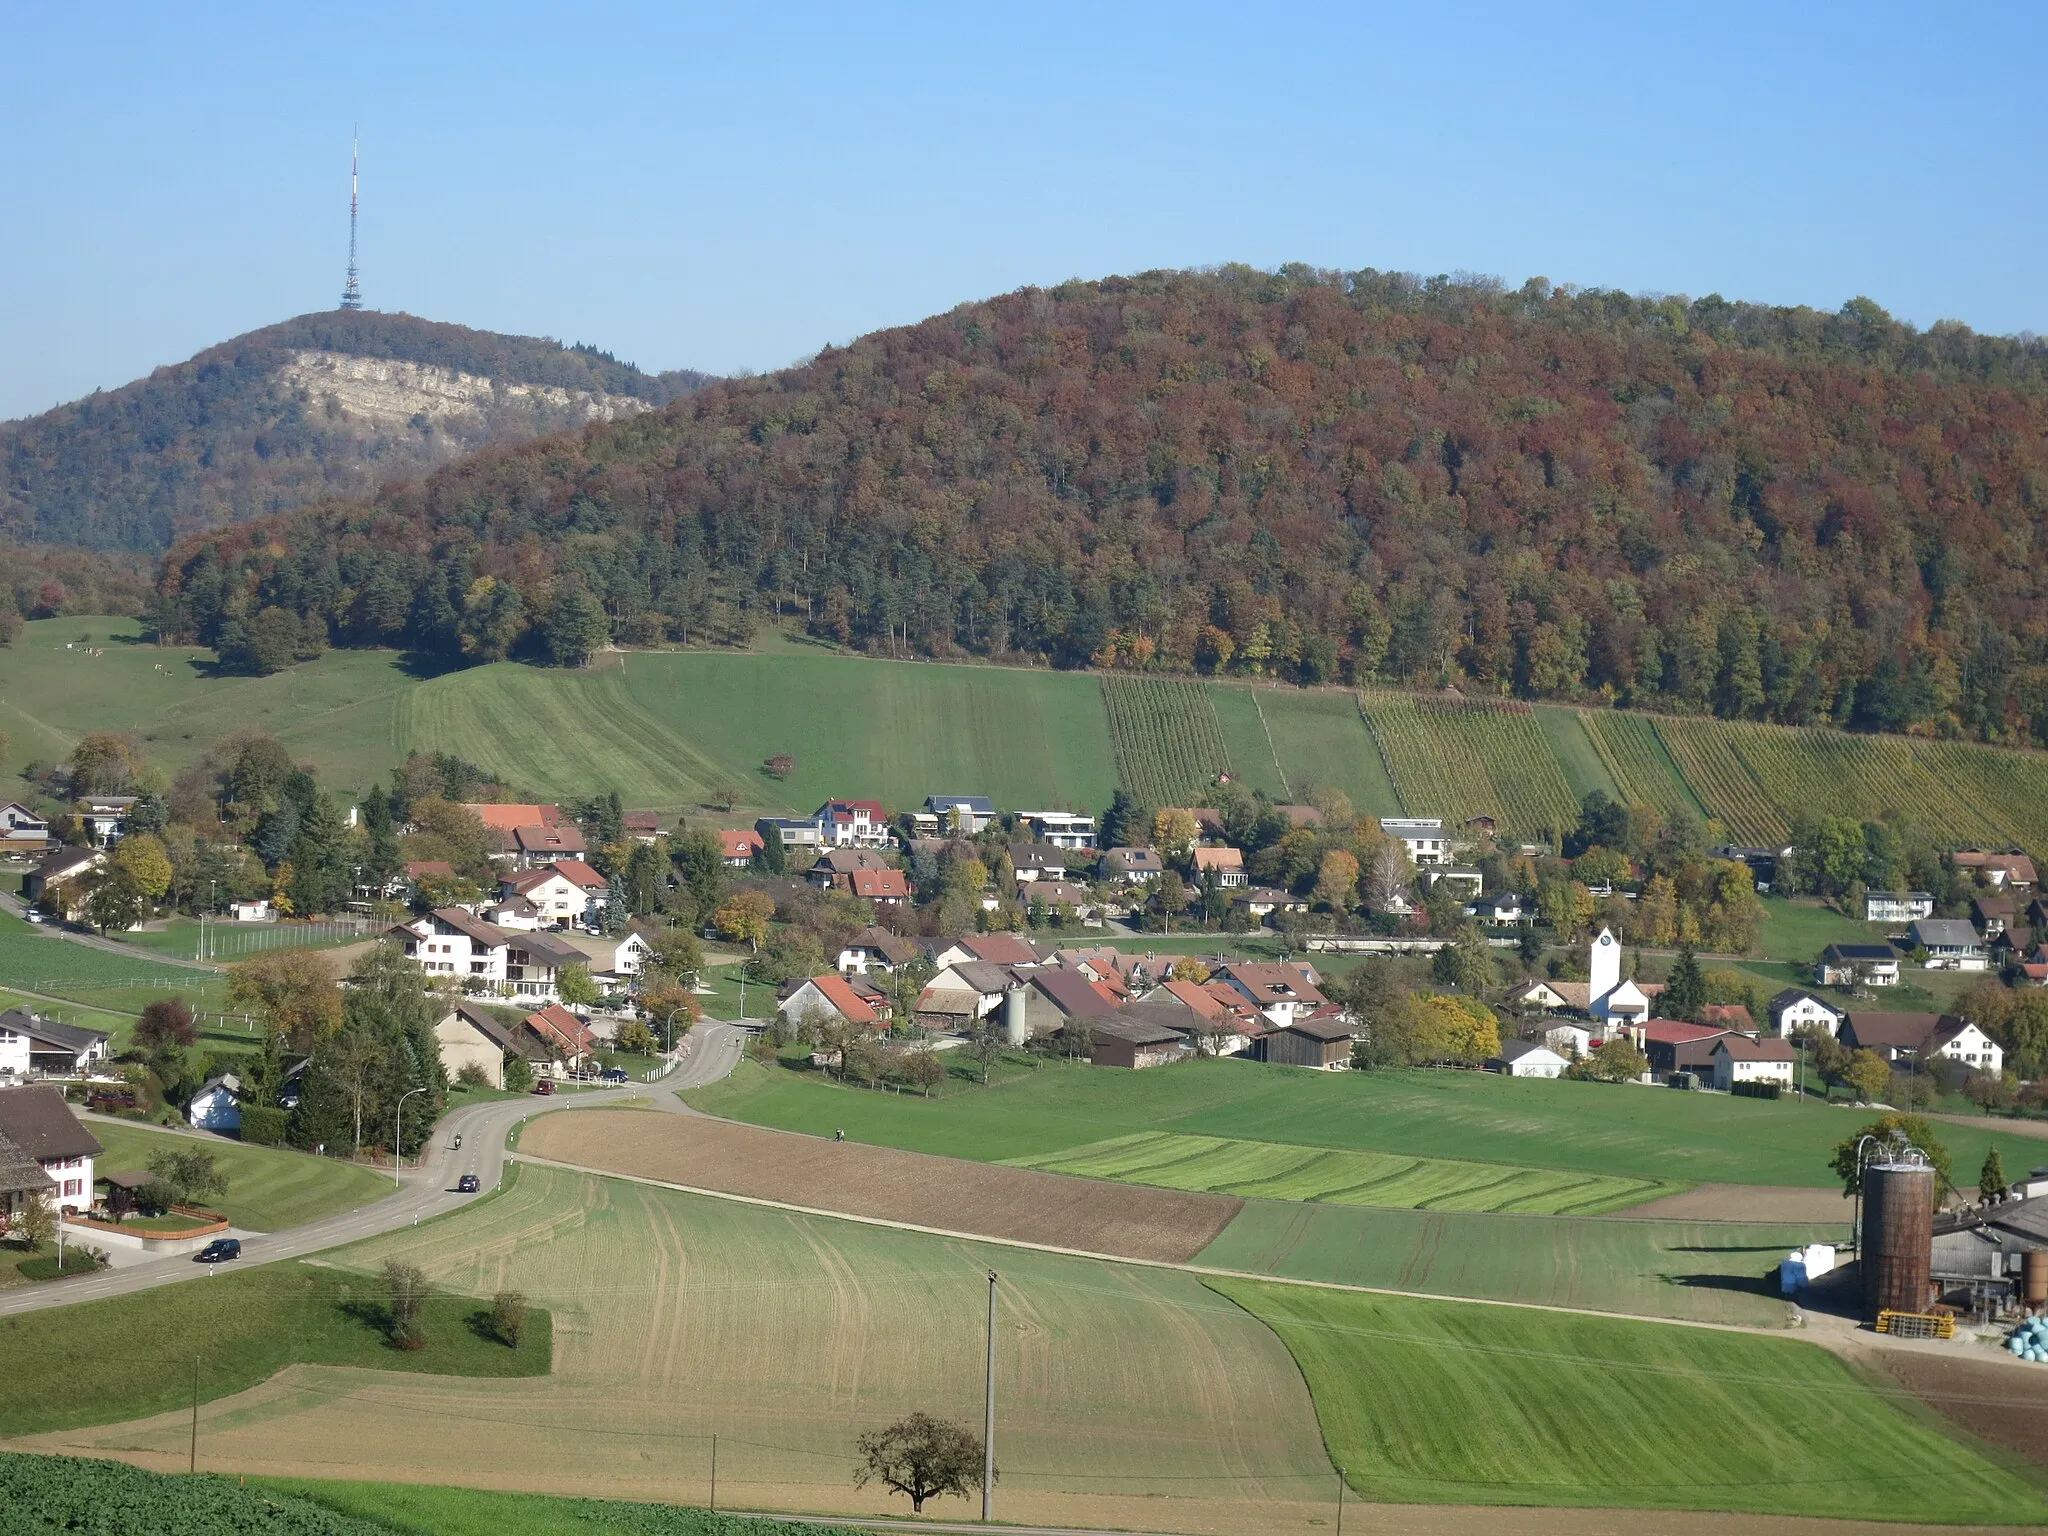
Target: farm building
x,y
217,1106
1741,1059
1672,1045
1903,1038
829,996
1324,1044
1526,1058
1134,1043
1283,991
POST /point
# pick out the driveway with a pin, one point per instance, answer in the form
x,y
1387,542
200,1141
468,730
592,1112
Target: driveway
x,y
425,1190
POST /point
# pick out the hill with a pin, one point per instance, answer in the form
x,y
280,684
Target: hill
x,y
671,729
1697,507
326,405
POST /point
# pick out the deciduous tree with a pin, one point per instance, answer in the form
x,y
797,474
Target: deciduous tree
x,y
922,1458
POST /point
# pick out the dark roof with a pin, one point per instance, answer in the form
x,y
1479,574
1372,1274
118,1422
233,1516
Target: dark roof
x,y
544,946
489,1028
71,1037
471,926
1073,994
1861,952
1515,1050
1320,1029
1899,1031
982,975
1948,932
20,1174
38,1121
1743,1048
1133,1031
896,950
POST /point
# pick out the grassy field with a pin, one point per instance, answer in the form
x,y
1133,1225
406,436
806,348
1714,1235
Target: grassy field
x,y
1586,1128
129,1356
269,1188
1432,1402
419,1510
678,1316
1265,1170
1703,1272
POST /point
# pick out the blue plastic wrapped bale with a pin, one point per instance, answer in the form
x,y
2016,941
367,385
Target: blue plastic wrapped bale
x,y
2017,1347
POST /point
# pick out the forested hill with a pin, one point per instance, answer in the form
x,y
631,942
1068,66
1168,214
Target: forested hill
x,y
1701,506
325,405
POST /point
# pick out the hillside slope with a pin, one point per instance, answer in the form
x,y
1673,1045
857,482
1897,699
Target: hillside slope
x,y
1700,507
324,405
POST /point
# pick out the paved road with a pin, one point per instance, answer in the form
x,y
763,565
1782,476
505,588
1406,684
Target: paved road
x,y
708,1053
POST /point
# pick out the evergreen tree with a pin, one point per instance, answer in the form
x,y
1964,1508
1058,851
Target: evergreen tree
x,y
320,859
773,859
1991,1177
575,628
381,857
1685,993
617,906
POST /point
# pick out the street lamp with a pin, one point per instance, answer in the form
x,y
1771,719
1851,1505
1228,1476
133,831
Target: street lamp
x,y
669,1029
398,1137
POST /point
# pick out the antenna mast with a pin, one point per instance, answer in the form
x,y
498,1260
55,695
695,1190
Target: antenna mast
x,y
352,291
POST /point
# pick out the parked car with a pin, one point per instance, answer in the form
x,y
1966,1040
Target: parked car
x,y
467,1185
33,915
219,1251
543,1087
613,1074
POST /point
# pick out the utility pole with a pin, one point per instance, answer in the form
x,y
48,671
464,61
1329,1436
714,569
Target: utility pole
x,y
714,1474
1340,1501
193,1465
988,1413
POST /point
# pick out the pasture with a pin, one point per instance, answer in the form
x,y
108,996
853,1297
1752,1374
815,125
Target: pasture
x,y
1263,1170
269,1188
1433,1402
1130,1396
1622,1131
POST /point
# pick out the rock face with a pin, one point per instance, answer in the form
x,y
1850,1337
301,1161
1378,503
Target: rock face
x,y
327,406
392,395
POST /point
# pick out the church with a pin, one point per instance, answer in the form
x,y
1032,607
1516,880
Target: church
x,y
1604,995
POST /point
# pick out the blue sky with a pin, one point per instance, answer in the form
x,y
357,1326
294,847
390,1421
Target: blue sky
x,y
732,187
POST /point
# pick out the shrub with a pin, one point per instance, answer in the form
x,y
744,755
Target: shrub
x,y
262,1125
472,1075
508,1316
1755,1090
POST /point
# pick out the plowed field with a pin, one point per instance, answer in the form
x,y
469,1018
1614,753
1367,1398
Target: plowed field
x,y
1127,1220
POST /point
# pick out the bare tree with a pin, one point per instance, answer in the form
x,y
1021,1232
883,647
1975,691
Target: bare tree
x,y
1387,874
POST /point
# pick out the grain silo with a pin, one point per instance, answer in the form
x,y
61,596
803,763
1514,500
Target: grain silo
x,y
1898,1237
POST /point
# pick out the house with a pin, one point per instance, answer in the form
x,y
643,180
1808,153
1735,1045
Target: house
x,y
1324,1044
502,820
616,960
1284,992
514,914
1037,861
1422,836
1525,1058
643,826
1569,1038
995,948
535,846
22,831
875,950
1227,864
1134,1042
1133,866
795,833
1056,893
1480,826
2009,870
450,942
62,870
22,1180
1952,944
1922,1038
1994,913
1746,1059
1461,881
829,996
852,824
1049,997
1896,906
38,1123
469,1037
961,815
562,1043
105,818
1672,1045
33,1046
257,911
1063,829
534,963
739,846
886,888
217,1106
1262,901
1857,965
563,892
836,863
1795,1009
1227,1025
1503,909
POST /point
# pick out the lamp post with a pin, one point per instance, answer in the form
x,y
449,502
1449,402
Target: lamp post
x,y
669,1029
398,1138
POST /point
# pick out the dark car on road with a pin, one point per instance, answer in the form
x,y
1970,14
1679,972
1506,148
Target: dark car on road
x,y
543,1087
219,1251
613,1074
467,1185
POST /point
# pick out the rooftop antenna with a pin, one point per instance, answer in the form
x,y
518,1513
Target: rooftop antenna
x,y
352,291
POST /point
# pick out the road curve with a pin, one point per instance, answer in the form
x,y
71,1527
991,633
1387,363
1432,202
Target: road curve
x,y
423,1191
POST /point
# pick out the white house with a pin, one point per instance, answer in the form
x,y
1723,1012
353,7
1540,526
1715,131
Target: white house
x,y
31,1045
852,824
564,892
1283,991
794,831
1857,965
39,1124
620,958
877,950
1568,1038
1960,1040
1795,1009
217,1106
1503,909
1896,906
449,942
105,817
1740,1059
1525,1058
22,831
258,911
965,814
1226,863
1460,881
1422,836
1063,829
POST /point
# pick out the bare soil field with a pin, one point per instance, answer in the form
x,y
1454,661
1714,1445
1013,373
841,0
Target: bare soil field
x,y
1994,1400
1131,1221
1747,1203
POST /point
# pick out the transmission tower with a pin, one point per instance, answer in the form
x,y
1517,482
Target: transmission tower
x,y
352,291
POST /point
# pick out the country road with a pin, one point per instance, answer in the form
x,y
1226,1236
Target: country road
x,y
427,1189
13,907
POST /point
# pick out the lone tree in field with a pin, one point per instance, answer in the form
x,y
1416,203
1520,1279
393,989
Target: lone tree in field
x,y
508,1316
780,766
406,1286
922,1458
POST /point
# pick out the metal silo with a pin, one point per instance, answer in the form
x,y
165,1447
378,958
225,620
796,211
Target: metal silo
x,y
1898,1237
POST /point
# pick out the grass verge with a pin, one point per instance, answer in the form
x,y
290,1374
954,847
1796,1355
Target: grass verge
x,y
269,1188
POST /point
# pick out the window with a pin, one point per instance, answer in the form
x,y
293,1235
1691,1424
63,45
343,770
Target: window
x,y
74,1187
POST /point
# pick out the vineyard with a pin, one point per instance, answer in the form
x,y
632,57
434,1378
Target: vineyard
x,y
1459,758
1640,764
1164,738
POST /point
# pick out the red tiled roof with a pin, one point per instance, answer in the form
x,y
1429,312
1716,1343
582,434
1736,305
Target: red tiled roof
x,y
999,949
509,818
430,869
559,1026
1678,1031
879,884
576,872
739,844
840,994
539,839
